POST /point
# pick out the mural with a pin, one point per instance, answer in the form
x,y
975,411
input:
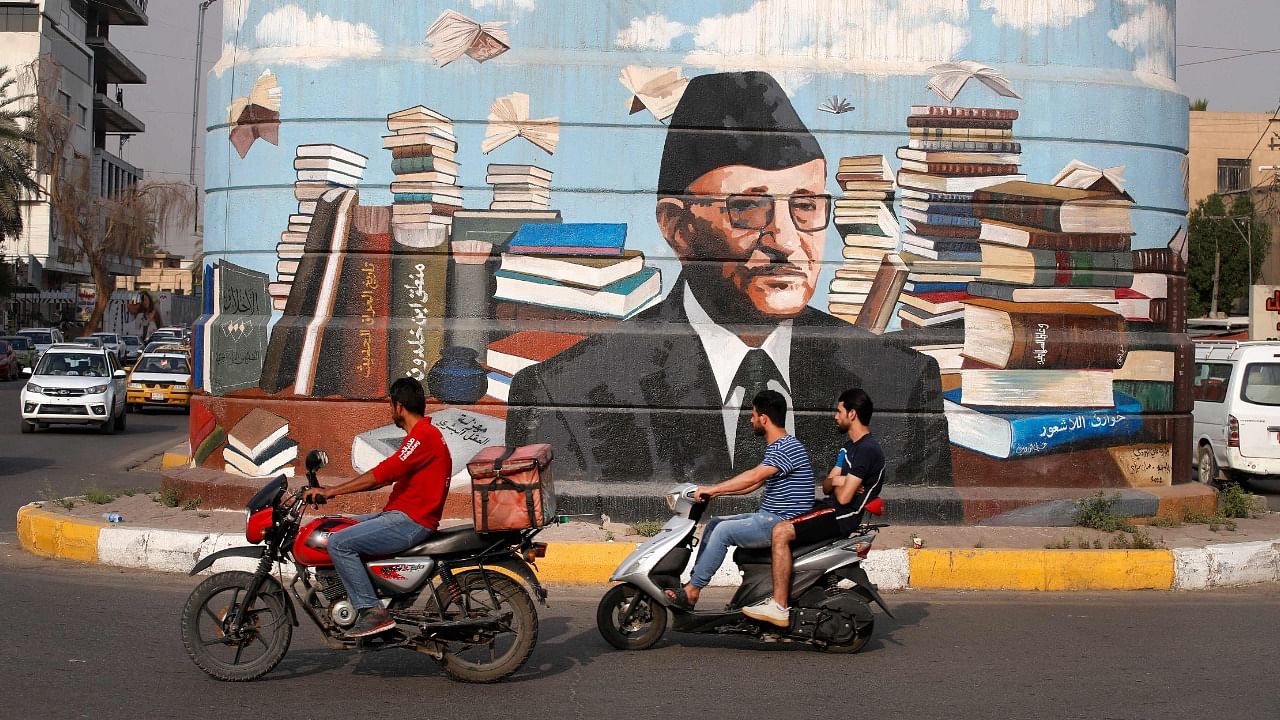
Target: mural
x,y
989,246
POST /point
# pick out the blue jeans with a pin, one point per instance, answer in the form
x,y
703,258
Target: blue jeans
x,y
748,530
378,534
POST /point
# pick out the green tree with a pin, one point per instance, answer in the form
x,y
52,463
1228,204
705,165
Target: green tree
x,y
1217,229
17,142
1199,105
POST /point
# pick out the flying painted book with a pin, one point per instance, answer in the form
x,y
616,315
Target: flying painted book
x,y
570,239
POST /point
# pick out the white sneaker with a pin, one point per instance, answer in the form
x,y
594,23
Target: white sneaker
x,y
769,611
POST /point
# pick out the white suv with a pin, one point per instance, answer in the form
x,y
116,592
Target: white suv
x,y
1237,410
77,385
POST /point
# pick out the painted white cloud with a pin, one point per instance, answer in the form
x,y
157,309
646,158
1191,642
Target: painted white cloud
x,y
503,4
290,35
794,39
1032,16
1149,35
234,13
653,32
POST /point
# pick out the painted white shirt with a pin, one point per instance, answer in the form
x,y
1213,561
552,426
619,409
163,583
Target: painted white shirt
x,y
726,351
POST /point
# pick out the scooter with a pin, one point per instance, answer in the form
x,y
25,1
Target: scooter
x,y
455,597
831,594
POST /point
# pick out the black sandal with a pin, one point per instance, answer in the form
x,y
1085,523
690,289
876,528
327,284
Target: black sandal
x,y
679,598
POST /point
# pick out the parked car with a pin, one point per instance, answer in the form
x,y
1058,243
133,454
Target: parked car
x,y
23,348
132,347
10,365
1236,412
42,338
112,343
74,384
160,379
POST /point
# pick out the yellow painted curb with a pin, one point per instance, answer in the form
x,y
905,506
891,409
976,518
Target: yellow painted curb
x,y
1052,570
582,563
58,536
174,460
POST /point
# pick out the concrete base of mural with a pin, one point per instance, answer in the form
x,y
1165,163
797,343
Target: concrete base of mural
x,y
998,506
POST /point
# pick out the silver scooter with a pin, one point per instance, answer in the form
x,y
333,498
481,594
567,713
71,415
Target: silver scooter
x,y
830,592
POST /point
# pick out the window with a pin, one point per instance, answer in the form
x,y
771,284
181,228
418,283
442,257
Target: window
x,y
65,100
1233,174
1261,383
84,117
1210,383
20,19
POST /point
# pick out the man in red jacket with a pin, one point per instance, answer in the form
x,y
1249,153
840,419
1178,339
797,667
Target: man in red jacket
x,y
420,470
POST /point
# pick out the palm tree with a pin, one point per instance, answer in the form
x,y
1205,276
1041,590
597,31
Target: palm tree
x,y
17,143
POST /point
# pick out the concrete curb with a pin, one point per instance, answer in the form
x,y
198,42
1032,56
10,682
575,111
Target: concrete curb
x,y
54,535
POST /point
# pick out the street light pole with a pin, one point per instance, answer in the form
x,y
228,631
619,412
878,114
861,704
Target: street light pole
x,y
195,105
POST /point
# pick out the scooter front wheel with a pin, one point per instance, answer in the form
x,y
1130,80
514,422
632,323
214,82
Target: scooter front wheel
x,y
629,619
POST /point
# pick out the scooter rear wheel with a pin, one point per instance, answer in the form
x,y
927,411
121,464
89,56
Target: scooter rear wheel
x,y
861,636
629,619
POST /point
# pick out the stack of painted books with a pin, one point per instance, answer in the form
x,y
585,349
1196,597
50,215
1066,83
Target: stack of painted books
x,y
864,218
425,191
519,187
320,168
951,152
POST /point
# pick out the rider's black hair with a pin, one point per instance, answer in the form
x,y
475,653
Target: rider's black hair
x,y
772,405
857,401
408,394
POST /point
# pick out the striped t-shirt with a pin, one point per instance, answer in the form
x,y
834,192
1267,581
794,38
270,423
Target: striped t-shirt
x,y
789,491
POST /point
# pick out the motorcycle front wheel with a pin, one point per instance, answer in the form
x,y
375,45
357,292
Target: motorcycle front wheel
x,y
486,593
629,619
236,654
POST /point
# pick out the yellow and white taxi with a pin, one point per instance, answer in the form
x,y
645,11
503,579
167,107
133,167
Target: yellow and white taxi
x,y
161,378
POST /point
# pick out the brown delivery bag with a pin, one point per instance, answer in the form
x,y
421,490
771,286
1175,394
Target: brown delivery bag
x,y
511,488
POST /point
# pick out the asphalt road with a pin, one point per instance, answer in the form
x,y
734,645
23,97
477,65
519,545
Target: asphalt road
x,y
65,459
83,641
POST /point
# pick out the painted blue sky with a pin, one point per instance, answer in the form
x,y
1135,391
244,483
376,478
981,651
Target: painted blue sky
x,y
1094,75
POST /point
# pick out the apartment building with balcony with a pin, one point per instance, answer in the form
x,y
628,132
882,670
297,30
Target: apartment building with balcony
x,y
92,85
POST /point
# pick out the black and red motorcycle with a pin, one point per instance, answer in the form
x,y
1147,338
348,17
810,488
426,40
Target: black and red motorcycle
x,y
455,597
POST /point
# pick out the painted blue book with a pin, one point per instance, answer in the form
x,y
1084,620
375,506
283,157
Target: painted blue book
x,y
932,287
619,299
938,218
202,329
437,198
570,239
1005,433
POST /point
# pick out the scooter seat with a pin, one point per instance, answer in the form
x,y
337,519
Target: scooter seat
x,y
459,540
764,556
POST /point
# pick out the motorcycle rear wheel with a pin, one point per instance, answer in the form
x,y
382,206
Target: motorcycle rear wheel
x,y
861,637
257,648
505,653
645,625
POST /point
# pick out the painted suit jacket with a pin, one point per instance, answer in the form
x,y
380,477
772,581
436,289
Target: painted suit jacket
x,y
639,403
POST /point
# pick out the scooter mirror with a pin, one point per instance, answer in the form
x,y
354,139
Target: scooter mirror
x,y
316,459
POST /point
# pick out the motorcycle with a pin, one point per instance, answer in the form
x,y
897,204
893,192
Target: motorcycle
x,y
831,594
454,597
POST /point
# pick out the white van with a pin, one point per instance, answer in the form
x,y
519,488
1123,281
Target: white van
x,y
1237,410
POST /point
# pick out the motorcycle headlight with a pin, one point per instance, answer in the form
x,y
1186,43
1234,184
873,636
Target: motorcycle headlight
x,y
34,388
672,499
135,386
96,389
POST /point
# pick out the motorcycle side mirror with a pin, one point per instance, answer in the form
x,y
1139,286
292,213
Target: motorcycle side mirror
x,y
316,459
876,507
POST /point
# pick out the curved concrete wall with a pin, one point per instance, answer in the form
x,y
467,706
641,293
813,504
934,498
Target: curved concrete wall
x,y
340,259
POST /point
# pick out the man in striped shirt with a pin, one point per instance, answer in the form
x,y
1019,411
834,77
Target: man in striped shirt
x,y
787,477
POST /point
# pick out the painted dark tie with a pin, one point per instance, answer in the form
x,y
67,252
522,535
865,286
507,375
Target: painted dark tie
x,y
754,374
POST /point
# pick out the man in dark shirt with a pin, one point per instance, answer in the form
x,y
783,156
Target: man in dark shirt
x,y
854,481
420,469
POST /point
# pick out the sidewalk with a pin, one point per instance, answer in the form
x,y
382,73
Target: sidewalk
x,y
171,539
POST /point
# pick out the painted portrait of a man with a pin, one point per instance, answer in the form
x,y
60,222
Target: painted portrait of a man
x,y
742,203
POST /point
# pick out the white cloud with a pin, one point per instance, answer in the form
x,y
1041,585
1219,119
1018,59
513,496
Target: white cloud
x,y
1032,16
1148,34
654,32
795,39
501,4
289,35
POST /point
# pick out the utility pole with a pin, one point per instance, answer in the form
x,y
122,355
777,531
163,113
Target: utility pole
x,y
1247,235
195,106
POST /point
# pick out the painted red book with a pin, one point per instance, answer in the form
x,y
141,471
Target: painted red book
x,y
516,352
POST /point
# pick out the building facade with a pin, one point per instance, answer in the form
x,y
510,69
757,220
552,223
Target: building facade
x,y
75,34
161,271
608,225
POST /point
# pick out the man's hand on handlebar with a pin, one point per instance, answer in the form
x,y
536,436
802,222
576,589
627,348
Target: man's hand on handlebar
x,y
315,496
702,494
